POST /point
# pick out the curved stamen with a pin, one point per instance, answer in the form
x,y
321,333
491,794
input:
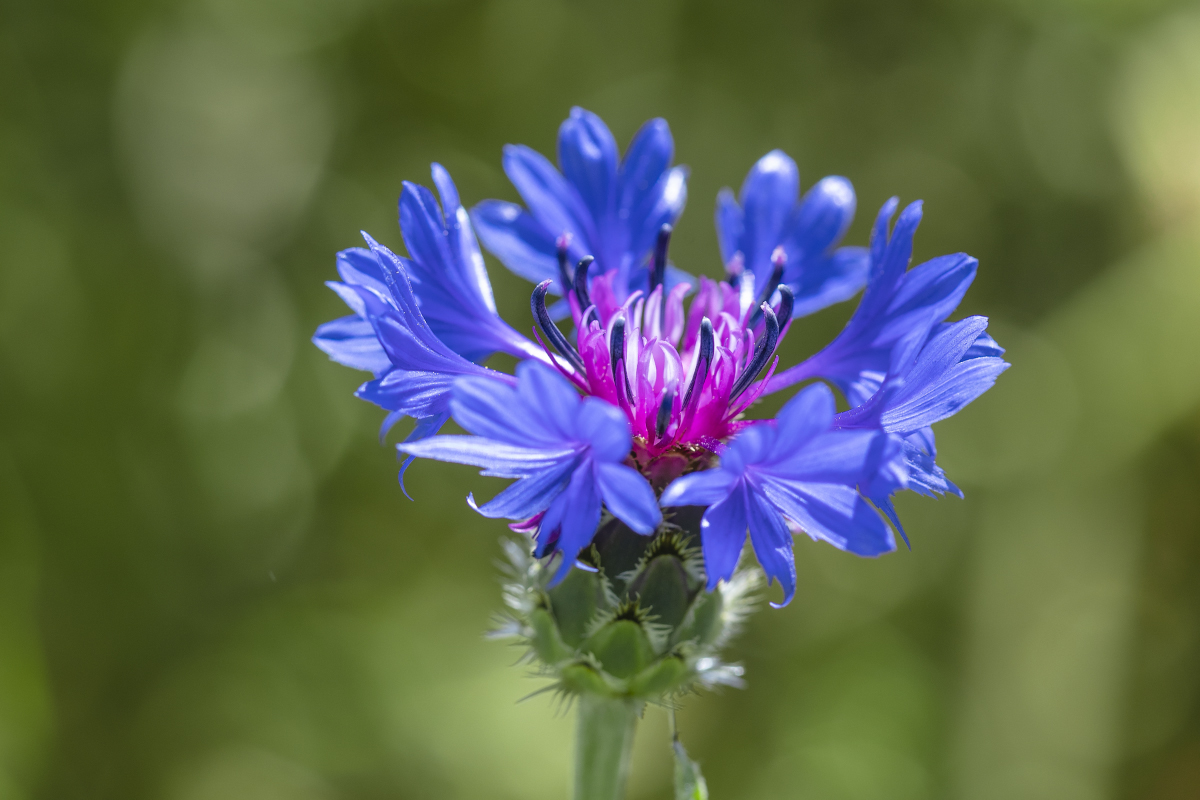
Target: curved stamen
x,y
564,276
581,285
762,354
537,303
778,262
703,360
664,414
616,355
658,271
787,301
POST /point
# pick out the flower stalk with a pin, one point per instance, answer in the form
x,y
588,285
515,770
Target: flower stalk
x,y
603,746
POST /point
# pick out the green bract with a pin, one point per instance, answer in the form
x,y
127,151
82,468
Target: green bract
x,y
640,627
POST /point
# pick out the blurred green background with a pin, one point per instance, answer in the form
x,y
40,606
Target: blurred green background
x,y
210,583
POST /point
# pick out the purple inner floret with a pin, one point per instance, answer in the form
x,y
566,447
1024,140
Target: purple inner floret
x,y
643,403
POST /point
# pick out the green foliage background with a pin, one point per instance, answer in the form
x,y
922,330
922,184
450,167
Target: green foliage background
x,y
210,583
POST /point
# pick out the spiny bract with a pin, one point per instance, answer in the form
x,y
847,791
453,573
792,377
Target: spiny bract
x,y
636,622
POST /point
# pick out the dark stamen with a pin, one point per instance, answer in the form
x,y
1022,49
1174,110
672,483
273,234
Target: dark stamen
x,y
537,303
787,301
664,414
581,284
762,354
564,277
658,271
616,355
778,261
703,360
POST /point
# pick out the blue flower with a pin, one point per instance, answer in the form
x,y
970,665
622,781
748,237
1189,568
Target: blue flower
x,y
599,205
898,311
423,325
766,222
957,364
449,278
566,453
388,336
798,469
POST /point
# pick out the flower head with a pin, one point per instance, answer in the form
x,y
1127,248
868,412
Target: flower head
x,y
645,399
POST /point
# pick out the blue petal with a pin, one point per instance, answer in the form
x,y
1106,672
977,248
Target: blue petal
x,y
552,402
833,513
401,328
422,430
358,266
414,393
520,242
820,221
880,235
409,343
575,514
496,459
893,319
390,420
944,397
752,445
985,345
553,201
606,428
802,418
722,535
472,272
661,205
772,545
648,157
826,280
587,153
531,495
729,225
351,341
449,278
494,410
939,382
946,347
699,488
924,475
349,294
628,495
421,222
831,457
929,292
767,197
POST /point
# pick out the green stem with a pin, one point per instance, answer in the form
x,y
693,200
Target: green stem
x,y
603,744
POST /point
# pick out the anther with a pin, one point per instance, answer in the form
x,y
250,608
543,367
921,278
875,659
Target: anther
x,y
703,360
537,303
658,271
581,283
564,276
762,354
664,414
616,356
